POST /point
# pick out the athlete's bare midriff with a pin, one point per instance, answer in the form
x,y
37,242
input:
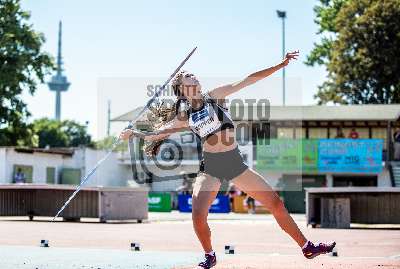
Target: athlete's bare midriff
x,y
221,141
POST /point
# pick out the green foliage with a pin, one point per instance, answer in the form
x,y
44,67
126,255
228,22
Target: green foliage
x,y
326,14
360,48
23,64
25,136
107,143
56,133
77,133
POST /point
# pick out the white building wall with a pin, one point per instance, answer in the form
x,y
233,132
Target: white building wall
x,y
77,161
39,162
110,173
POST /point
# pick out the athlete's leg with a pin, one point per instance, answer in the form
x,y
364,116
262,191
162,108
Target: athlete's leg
x,y
205,190
256,186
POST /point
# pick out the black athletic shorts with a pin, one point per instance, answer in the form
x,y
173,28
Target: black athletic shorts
x,y
223,165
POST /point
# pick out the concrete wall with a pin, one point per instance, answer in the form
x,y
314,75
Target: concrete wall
x,y
77,160
384,178
110,173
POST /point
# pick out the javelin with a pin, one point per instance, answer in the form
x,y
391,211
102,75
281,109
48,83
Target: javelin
x,y
156,94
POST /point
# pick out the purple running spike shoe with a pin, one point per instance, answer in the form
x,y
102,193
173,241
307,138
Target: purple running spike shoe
x,y
209,261
311,251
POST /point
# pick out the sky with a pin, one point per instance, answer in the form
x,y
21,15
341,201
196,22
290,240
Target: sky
x,y
112,49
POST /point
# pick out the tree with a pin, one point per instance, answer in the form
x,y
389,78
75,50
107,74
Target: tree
x,y
56,133
360,48
23,64
108,142
77,133
50,133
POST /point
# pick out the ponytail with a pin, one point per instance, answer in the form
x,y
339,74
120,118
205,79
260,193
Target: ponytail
x,y
161,114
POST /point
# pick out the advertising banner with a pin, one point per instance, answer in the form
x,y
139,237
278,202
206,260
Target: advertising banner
x,y
159,202
320,155
350,155
287,155
240,205
220,204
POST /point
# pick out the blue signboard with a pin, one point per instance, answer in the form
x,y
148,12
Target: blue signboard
x,y
220,204
350,155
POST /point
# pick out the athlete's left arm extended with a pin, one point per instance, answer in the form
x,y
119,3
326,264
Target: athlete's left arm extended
x,y
223,91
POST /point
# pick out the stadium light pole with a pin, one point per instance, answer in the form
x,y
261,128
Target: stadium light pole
x,y
282,14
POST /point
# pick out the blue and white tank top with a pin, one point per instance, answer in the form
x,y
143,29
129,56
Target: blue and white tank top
x,y
209,119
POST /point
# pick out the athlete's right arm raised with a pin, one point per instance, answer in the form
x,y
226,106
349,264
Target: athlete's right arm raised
x,y
176,125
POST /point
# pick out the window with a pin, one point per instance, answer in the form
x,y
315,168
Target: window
x,y
300,133
362,132
71,176
51,175
380,133
317,133
333,132
22,173
285,133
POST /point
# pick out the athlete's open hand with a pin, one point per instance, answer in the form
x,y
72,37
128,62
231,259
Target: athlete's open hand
x,y
290,56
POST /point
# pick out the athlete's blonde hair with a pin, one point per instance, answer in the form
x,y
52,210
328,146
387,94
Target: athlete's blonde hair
x,y
177,81
162,113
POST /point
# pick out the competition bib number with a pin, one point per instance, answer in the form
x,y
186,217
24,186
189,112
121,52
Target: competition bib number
x,y
204,122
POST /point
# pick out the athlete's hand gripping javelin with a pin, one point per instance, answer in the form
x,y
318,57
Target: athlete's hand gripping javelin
x,y
173,126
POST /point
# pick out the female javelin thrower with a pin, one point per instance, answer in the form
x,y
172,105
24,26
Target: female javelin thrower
x,y
210,120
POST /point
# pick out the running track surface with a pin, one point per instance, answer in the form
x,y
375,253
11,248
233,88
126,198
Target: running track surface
x,y
15,257
168,241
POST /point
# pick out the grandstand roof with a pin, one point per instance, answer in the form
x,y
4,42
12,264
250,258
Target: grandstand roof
x,y
309,113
